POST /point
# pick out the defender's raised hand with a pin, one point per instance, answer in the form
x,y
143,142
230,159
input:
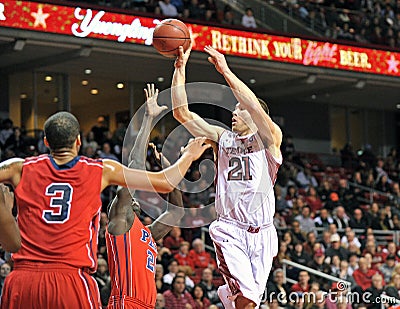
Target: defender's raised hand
x,y
217,59
152,108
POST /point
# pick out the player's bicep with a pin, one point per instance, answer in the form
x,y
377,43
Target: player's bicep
x,y
198,127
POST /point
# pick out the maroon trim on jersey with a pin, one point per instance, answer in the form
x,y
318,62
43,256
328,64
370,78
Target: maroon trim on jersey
x,y
273,166
223,268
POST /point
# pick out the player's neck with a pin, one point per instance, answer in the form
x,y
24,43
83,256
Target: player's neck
x,y
63,155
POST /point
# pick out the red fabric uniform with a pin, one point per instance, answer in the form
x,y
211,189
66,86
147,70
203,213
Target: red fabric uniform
x,y
132,264
58,216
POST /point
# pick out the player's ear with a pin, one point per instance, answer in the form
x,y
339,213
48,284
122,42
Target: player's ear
x,y
78,140
46,143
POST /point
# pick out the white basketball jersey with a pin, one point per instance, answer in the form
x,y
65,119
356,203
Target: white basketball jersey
x,y
245,179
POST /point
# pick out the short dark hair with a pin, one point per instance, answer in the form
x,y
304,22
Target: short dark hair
x,y
61,130
263,105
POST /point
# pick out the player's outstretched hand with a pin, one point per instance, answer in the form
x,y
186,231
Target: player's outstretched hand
x,y
196,147
152,108
161,160
183,57
6,197
217,59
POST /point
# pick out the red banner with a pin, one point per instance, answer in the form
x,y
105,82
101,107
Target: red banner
x,y
78,22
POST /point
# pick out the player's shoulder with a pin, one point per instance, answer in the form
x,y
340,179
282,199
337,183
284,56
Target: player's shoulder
x,y
36,159
90,161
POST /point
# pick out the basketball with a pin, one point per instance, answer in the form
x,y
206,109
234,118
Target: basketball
x,y
169,35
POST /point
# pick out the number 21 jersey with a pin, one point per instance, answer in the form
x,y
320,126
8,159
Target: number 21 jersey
x,y
246,176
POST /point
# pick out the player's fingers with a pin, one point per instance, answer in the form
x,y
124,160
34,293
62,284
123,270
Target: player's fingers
x,y
147,94
152,89
211,60
180,51
163,107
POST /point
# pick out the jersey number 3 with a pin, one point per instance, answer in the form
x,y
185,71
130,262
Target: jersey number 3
x,y
60,201
239,171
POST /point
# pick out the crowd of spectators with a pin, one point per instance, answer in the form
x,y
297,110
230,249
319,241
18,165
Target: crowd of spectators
x,y
365,21
323,222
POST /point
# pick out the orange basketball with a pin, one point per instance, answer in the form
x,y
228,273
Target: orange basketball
x,y
169,35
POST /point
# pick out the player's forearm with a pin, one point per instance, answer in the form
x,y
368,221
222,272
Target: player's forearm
x,y
10,238
175,173
240,90
180,106
139,150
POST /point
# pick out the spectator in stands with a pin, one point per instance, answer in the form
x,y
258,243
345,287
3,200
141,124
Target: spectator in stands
x,y
358,220
229,18
248,19
103,279
347,156
309,244
305,178
177,297
350,239
183,258
200,298
6,131
189,283
303,283
16,142
318,263
278,287
5,270
334,265
106,153
324,219
283,254
280,202
388,267
353,263
341,219
297,235
375,291
325,190
336,248
326,239
392,289
200,257
306,222
344,273
288,240
346,195
373,216
332,202
99,129
298,255
173,240
166,8
211,291
164,254
173,268
363,275
391,249
160,301
194,11
313,200
160,284
287,147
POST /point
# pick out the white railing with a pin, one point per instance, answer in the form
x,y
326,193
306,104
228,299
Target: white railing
x,y
310,271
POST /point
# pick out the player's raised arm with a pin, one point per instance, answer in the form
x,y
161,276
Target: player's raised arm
x,y
10,238
10,171
192,122
269,131
114,173
169,218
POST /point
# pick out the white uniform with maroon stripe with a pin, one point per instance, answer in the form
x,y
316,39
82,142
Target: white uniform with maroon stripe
x,y
244,236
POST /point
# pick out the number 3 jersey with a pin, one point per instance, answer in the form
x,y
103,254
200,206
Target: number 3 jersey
x,y
246,175
59,210
132,264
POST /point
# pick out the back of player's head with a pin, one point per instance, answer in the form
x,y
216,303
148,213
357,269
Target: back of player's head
x,y
61,130
263,105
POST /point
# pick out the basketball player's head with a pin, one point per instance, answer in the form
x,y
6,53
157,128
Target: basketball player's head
x,y
61,131
241,119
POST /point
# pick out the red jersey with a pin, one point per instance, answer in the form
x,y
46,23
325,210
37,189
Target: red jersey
x,y
132,264
59,211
